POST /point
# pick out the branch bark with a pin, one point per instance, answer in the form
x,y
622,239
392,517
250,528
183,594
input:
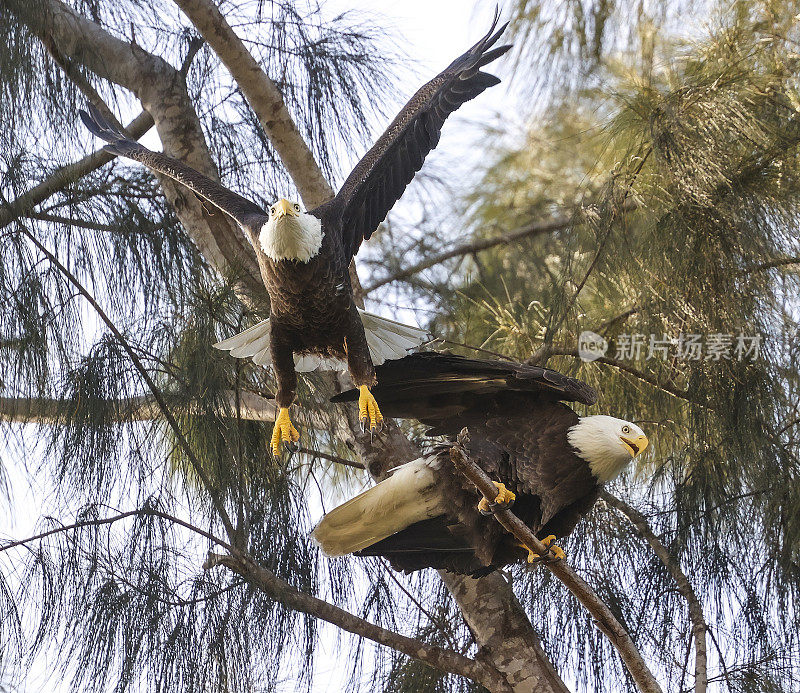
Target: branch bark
x,y
264,98
605,620
43,410
699,625
504,632
438,657
162,90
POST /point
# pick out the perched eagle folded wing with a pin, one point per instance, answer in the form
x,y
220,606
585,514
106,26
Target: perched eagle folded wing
x,y
522,434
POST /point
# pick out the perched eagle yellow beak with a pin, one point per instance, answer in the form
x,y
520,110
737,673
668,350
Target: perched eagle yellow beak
x,y
283,208
635,446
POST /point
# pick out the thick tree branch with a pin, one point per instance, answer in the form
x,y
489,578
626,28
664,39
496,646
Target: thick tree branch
x,y
699,625
44,410
497,620
162,90
438,657
605,620
264,98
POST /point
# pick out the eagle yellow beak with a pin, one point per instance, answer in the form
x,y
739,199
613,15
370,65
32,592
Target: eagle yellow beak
x,y
283,208
635,446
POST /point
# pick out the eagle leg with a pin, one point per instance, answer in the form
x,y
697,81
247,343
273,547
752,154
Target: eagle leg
x,y
505,499
556,551
368,410
284,432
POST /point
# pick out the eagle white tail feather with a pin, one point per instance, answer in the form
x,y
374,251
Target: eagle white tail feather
x,y
411,494
386,339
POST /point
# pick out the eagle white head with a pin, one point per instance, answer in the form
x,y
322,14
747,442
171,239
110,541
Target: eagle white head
x,y
290,233
607,444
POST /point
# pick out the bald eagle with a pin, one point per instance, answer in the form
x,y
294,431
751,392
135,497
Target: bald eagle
x,y
304,256
549,461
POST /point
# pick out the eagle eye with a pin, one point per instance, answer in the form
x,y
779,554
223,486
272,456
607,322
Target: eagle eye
x,y
272,210
297,207
626,429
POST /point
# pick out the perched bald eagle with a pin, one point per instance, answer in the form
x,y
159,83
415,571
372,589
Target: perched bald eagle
x,y
304,256
521,433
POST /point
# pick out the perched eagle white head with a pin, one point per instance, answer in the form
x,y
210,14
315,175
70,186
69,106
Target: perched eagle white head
x,y
607,444
290,233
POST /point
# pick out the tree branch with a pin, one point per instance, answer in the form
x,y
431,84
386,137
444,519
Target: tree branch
x,y
620,365
264,98
110,520
279,590
530,230
43,410
66,175
699,625
605,620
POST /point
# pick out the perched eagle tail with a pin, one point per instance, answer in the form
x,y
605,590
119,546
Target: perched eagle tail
x,y
411,494
386,338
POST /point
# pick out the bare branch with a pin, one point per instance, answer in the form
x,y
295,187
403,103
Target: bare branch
x,y
605,620
141,512
332,458
440,658
699,625
620,365
771,264
43,410
66,175
531,230
264,98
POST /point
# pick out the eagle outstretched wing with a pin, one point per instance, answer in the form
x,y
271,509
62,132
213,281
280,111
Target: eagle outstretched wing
x,y
381,177
243,211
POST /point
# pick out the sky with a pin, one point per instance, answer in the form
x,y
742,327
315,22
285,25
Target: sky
x,y
430,33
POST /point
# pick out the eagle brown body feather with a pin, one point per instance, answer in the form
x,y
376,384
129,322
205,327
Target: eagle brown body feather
x,y
518,424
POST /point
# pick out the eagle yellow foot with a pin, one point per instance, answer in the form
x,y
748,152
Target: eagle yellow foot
x,y
283,432
368,410
505,499
556,551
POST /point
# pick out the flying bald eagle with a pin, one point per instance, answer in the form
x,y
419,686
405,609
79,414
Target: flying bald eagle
x,y
521,432
304,256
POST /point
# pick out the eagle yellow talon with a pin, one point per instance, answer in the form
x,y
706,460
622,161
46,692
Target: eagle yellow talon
x,y
283,432
557,551
505,499
368,409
